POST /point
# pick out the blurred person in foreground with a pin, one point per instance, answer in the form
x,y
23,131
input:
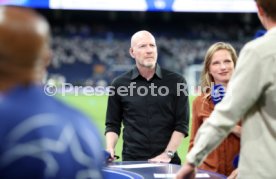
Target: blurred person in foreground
x,y
219,64
234,174
155,116
251,95
40,136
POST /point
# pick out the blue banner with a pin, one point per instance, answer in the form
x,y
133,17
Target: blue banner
x,y
27,3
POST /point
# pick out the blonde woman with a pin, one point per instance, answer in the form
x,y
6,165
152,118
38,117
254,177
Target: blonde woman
x,y
219,64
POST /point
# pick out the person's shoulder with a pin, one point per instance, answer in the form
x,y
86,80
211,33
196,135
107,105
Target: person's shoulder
x,y
67,114
172,75
32,101
121,78
253,44
37,109
68,110
261,46
202,100
199,99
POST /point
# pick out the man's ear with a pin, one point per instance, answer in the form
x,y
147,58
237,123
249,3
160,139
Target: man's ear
x,y
260,10
47,57
131,52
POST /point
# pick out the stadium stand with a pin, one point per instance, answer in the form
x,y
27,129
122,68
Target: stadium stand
x,y
86,53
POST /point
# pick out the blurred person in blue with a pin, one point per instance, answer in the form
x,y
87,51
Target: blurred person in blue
x,y
219,64
154,123
40,136
251,95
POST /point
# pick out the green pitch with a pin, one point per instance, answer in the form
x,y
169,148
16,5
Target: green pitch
x,y
95,108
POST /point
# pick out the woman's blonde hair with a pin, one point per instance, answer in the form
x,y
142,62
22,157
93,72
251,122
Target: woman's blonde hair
x,y
206,78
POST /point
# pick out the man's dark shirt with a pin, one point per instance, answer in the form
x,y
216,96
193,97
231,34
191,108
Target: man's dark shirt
x,y
150,118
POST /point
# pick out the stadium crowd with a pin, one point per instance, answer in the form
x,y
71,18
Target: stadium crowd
x,y
102,55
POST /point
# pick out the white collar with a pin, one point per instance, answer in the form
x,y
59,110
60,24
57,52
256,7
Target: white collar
x,y
272,30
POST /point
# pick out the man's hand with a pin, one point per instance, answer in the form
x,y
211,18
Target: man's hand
x,y
162,158
112,154
186,172
237,131
233,175
111,141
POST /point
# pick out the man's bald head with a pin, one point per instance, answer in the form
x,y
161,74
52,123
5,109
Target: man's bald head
x,y
138,35
24,41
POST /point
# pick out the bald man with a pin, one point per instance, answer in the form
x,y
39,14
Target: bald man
x,y
40,137
146,100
